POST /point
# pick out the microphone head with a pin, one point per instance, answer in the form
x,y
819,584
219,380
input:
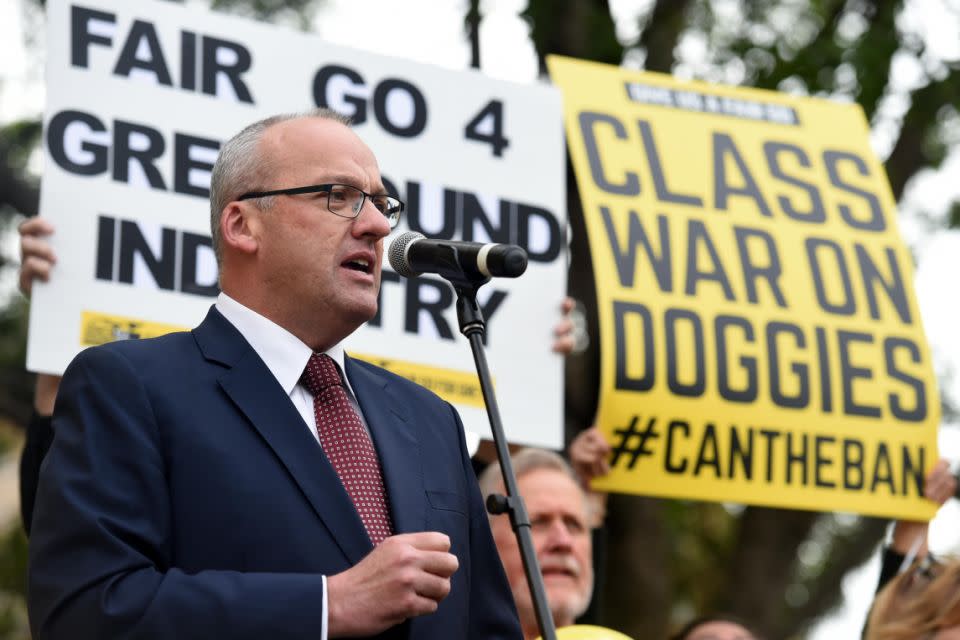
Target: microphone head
x,y
398,253
514,261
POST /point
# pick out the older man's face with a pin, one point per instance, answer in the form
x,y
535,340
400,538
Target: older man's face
x,y
561,538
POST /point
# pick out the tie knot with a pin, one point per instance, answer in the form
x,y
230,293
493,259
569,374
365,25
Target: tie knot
x,y
320,373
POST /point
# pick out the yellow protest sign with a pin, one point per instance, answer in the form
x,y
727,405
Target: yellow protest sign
x,y
760,340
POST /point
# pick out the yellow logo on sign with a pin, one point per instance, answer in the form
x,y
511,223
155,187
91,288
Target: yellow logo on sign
x,y
100,328
457,387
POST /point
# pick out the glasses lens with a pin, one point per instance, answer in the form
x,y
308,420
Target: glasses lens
x,y
389,206
344,200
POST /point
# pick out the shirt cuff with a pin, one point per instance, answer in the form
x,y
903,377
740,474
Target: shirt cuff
x,y
323,624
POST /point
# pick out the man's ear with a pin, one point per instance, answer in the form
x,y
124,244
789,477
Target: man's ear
x,y
239,225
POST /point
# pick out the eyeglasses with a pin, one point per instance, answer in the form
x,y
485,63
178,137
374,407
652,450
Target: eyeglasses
x,y
342,200
919,574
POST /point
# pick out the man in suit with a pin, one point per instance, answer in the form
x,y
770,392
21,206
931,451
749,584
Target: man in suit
x,y
227,482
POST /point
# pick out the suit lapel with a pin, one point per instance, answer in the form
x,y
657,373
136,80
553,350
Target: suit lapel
x,y
397,446
253,389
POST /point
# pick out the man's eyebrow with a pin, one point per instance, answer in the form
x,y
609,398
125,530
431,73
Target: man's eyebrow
x,y
336,178
342,178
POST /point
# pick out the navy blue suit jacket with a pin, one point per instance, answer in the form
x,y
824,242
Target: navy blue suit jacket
x,y
183,498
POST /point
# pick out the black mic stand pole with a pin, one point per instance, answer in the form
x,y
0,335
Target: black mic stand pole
x,y
472,326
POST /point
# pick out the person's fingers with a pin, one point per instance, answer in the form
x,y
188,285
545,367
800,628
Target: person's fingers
x,y
951,489
35,226
33,268
439,563
602,443
938,494
596,442
418,605
423,540
432,586
25,284
940,483
564,344
591,454
567,305
579,456
563,338
35,247
590,450
593,431
941,489
597,468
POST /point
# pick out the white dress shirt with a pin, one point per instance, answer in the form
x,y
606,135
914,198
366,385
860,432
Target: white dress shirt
x,y
286,357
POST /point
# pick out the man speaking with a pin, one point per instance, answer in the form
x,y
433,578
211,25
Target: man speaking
x,y
248,479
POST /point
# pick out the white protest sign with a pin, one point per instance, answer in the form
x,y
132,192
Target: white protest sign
x,y
140,96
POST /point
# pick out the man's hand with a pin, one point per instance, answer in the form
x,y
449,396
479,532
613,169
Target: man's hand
x,y
563,338
938,487
570,332
404,576
940,484
36,254
36,260
590,458
590,455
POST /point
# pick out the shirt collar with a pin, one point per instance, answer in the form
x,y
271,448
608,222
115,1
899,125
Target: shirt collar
x,y
284,354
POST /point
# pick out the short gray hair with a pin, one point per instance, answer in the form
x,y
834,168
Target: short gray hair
x,y
240,168
524,462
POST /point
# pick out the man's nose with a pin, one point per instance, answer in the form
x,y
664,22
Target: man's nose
x,y
371,221
558,536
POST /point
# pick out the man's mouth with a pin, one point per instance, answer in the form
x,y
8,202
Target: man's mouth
x,y
567,567
357,264
558,572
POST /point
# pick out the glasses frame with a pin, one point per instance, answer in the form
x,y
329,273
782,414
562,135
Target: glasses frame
x,y
393,217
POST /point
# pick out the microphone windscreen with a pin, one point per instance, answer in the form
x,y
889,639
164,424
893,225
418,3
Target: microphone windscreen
x,y
398,253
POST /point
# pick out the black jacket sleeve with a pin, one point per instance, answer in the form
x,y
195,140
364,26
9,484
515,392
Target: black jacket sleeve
x,y
39,438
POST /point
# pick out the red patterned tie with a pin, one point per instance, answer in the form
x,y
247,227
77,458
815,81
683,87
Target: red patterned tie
x,y
347,445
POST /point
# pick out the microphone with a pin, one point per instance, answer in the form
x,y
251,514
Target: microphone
x,y
412,253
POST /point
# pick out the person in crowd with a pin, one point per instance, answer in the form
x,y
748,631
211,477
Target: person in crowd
x,y
36,261
917,595
716,627
908,540
921,603
560,519
248,479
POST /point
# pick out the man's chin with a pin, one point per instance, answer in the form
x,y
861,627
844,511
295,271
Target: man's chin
x,y
359,310
561,582
566,603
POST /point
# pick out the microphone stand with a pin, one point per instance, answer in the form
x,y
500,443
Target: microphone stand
x,y
473,327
